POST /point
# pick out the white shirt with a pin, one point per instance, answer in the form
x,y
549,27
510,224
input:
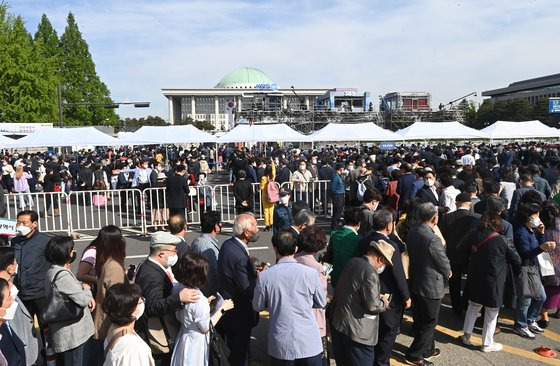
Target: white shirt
x,y
130,349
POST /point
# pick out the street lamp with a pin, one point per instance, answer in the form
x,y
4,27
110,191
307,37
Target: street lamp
x,y
104,105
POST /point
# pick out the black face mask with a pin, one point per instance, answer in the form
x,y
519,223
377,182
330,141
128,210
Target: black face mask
x,y
72,257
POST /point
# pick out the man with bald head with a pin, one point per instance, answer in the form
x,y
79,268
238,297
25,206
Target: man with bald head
x,y
237,277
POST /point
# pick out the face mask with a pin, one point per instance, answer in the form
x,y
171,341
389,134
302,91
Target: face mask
x,y
10,312
535,222
314,161
375,206
145,166
302,167
284,200
429,182
350,167
255,237
23,230
16,270
172,260
381,269
140,310
14,291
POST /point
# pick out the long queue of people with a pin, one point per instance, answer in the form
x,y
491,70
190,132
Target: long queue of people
x,y
405,225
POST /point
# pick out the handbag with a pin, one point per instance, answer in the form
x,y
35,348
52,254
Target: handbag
x,y
162,332
528,283
219,351
60,307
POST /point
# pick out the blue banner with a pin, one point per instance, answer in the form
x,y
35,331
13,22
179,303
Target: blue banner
x,y
554,105
387,145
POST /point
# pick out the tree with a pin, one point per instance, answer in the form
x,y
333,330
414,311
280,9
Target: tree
x,y
26,77
47,36
82,90
201,125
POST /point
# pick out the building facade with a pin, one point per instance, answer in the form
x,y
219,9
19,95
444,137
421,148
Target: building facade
x,y
531,90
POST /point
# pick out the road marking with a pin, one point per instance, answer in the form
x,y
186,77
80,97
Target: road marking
x,y
509,349
257,248
547,333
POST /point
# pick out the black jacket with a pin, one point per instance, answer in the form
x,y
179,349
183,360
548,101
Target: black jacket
x,y
427,195
243,191
454,226
392,280
30,256
177,191
12,347
156,289
488,267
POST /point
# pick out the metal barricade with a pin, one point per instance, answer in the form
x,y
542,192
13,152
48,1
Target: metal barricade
x,y
92,210
225,201
52,208
316,194
156,205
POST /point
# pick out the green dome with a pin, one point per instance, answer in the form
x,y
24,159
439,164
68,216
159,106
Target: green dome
x,y
244,78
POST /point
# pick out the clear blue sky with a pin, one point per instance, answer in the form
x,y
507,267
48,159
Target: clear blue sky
x,y
447,47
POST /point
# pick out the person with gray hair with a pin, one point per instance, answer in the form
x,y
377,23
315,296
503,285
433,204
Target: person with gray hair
x,y
237,277
302,219
429,268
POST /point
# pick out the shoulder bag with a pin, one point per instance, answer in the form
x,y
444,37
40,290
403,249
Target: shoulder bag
x,y
219,352
60,308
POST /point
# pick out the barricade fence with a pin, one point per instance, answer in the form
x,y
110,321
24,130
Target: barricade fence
x,y
142,210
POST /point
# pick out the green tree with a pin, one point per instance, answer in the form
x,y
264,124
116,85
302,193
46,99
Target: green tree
x,y
26,77
48,37
201,125
82,90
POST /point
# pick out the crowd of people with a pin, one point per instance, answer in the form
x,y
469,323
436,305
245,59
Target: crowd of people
x,y
406,225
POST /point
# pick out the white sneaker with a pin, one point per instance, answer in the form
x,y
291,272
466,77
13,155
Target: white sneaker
x,y
494,347
534,327
525,333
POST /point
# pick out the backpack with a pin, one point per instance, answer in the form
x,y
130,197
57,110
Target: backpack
x,y
272,191
361,189
99,179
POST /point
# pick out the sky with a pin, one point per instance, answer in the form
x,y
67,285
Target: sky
x,y
449,48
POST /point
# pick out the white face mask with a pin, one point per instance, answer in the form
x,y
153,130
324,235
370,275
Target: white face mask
x,y
172,260
535,222
23,230
16,270
284,200
14,291
302,167
10,312
140,310
381,269
429,182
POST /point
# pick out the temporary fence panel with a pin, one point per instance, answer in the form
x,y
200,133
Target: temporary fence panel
x,y
44,203
92,210
315,194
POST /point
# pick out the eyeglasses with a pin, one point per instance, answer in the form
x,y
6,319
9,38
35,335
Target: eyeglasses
x,y
170,250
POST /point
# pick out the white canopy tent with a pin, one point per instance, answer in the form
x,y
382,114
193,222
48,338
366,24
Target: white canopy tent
x,y
519,130
279,132
5,142
440,131
57,137
150,135
368,131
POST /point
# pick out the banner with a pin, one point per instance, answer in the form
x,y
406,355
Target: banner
x,y
7,227
554,105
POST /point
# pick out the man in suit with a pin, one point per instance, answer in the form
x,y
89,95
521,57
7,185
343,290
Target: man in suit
x,y
392,281
243,193
237,278
177,191
155,278
429,192
429,268
207,246
283,175
454,226
11,346
356,305
404,185
22,323
178,226
527,184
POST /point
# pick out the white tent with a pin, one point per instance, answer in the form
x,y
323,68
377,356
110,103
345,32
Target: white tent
x,y
56,137
6,142
183,134
519,130
353,132
440,131
279,132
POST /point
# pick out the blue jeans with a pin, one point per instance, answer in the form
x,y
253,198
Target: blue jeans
x,y
527,310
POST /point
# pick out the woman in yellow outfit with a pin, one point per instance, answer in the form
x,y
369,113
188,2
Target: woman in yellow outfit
x,y
267,206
